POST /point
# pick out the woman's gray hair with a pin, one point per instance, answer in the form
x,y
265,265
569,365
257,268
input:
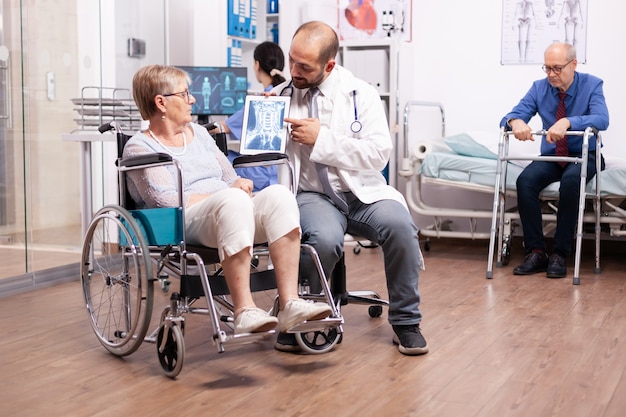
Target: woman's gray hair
x,y
152,80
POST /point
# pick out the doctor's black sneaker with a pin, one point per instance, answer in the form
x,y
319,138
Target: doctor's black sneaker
x,y
409,339
286,342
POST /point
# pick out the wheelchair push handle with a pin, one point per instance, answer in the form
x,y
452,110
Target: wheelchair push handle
x,y
122,138
110,126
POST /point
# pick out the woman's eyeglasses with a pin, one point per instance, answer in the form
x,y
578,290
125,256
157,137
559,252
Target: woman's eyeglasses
x,y
185,95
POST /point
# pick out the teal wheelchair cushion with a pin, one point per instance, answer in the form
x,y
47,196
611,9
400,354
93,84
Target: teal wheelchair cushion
x,y
160,226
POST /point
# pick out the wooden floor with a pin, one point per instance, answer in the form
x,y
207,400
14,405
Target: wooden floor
x,y
510,346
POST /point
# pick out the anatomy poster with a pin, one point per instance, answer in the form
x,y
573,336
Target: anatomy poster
x,y
369,19
529,26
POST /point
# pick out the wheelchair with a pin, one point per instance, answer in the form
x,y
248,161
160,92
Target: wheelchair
x,y
126,252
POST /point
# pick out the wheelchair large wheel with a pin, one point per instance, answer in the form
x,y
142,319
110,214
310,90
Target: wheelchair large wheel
x,y
171,351
117,280
320,341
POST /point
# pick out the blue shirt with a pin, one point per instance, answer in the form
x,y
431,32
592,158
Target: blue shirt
x,y
235,124
585,107
260,176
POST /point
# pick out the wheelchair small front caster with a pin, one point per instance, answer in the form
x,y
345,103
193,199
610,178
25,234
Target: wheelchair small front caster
x,y
320,341
375,311
171,348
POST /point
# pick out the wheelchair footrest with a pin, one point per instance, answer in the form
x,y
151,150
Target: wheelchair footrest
x,y
364,297
244,338
316,325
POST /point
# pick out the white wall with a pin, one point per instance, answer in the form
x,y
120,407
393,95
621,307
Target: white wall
x,y
140,19
456,61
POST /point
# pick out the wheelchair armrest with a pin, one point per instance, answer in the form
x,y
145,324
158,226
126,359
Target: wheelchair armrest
x,y
147,159
266,160
261,159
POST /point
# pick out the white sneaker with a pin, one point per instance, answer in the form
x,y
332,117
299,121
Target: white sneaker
x,y
254,320
298,311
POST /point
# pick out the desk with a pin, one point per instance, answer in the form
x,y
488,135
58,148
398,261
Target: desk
x,y
85,138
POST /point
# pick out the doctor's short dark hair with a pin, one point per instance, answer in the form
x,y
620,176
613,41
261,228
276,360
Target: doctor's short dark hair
x,y
326,37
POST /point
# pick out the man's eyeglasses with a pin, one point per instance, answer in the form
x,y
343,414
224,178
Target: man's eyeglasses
x,y
185,95
555,69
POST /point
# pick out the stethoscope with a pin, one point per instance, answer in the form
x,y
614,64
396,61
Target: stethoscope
x,y
355,126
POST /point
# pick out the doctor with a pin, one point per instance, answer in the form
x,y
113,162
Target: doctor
x,y
340,143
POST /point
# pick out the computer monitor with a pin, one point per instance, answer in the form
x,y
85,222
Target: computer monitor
x,y
219,91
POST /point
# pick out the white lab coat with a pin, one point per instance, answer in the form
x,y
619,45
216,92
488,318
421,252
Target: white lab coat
x,y
356,158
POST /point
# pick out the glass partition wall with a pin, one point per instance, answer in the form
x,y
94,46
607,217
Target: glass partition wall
x,y
40,228
54,55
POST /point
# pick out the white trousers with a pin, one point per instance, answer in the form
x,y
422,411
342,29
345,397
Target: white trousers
x,y
230,220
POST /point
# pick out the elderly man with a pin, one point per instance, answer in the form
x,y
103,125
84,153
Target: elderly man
x,y
565,100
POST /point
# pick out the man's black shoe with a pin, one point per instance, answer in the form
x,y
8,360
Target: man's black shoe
x,y
556,266
533,263
409,339
286,342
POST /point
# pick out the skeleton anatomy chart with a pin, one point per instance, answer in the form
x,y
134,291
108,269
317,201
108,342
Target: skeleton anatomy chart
x,y
529,26
264,130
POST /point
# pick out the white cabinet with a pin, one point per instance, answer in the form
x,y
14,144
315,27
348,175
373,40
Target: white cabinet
x,y
376,62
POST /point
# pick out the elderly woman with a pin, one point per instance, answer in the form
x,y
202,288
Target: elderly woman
x,y
220,210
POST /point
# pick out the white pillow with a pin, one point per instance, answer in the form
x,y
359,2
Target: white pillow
x,y
464,144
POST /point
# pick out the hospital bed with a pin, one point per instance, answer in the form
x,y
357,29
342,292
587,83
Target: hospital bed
x,y
474,162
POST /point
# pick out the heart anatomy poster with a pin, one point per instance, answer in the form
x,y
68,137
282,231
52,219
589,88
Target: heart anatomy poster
x,y
374,19
530,26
